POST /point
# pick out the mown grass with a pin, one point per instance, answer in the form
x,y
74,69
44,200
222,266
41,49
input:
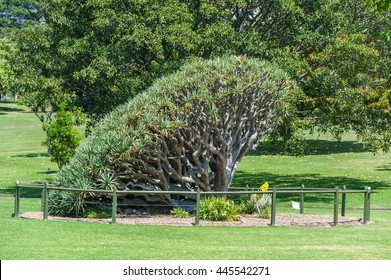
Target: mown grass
x,y
350,165
31,239
331,164
22,157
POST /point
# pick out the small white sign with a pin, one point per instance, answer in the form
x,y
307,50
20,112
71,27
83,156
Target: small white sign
x,y
295,205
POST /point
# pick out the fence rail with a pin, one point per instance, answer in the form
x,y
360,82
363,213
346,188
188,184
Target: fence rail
x,y
274,192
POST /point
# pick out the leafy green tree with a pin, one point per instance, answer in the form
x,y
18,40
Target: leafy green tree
x,y
62,138
105,52
6,73
381,5
100,53
339,59
16,14
41,91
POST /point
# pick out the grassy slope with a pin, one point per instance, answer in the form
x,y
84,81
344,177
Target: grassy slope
x,y
23,158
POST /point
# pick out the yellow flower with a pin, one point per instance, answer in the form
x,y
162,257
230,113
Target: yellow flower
x,y
318,69
264,187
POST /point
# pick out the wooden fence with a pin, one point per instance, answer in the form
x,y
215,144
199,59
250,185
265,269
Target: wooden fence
x,y
238,191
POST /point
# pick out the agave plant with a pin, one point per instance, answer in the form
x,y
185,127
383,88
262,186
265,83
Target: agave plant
x,y
107,181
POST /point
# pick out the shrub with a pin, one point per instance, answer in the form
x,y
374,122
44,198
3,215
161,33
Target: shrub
x,y
256,203
246,205
62,137
264,214
218,209
60,201
98,213
92,215
180,213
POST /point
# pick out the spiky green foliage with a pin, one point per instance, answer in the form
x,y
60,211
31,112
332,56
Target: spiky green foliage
x,y
188,130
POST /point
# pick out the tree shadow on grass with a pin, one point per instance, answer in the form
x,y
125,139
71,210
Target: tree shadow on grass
x,y
312,147
49,172
243,179
31,155
385,167
24,192
9,110
29,192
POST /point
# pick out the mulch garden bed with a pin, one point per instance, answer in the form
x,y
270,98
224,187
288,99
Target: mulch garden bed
x,y
282,219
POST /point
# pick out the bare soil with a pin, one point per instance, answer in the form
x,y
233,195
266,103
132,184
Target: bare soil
x,y
282,219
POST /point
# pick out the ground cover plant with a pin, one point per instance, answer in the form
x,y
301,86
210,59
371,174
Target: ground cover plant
x,y
327,163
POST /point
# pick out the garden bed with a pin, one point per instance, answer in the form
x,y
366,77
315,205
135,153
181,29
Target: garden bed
x,y
282,219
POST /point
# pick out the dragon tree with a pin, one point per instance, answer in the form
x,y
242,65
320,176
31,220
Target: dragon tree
x,y
189,130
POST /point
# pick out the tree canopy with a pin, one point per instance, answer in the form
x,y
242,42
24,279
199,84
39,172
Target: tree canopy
x,y
6,74
97,54
381,5
16,14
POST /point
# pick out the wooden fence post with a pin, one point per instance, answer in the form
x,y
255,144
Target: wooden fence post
x,y
343,207
198,203
17,200
45,201
114,206
274,207
336,193
302,200
367,205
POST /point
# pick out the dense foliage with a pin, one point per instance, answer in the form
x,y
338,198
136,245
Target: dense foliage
x,y
188,130
62,138
17,14
96,54
218,209
381,5
6,75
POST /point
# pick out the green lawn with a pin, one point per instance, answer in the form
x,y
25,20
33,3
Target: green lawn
x,y
29,239
328,164
22,157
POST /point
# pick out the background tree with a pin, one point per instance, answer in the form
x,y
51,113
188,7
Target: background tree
x,y
336,53
190,129
33,81
381,5
97,54
104,52
16,14
6,73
